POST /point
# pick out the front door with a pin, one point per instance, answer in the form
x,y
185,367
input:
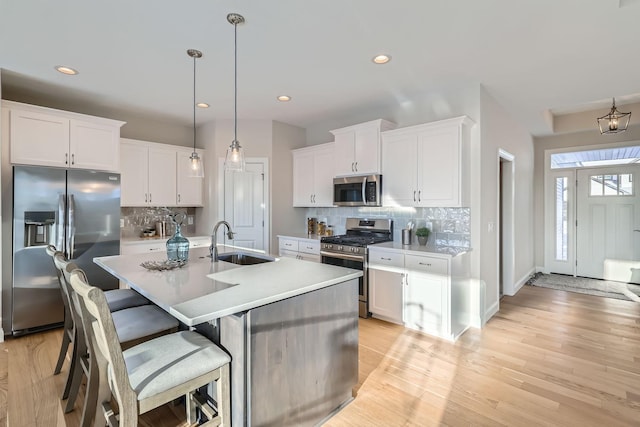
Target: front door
x,y
608,223
244,205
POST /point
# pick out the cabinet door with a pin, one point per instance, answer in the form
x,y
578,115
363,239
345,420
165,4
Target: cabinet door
x,y
323,174
399,170
367,151
134,173
39,139
344,153
189,189
303,177
94,146
386,294
162,177
423,303
439,167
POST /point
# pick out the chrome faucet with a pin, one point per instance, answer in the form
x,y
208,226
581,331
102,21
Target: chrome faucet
x,y
213,249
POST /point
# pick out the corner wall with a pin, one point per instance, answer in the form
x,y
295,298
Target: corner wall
x,y
500,131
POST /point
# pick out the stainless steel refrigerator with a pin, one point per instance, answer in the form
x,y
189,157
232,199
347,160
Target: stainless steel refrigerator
x,y
78,211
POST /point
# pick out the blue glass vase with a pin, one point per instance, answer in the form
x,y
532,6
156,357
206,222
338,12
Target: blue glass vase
x,y
178,246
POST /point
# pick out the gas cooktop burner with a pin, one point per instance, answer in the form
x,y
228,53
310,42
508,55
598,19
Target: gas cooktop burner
x,y
360,241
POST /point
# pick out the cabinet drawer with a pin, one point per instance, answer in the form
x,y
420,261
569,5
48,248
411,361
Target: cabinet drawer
x,y
143,248
309,247
288,244
425,264
391,259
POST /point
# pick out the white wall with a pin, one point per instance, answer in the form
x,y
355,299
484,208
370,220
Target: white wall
x,y
500,131
590,139
1,218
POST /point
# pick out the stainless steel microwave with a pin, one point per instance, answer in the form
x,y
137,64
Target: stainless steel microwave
x,y
364,190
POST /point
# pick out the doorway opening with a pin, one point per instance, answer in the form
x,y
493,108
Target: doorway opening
x,y
506,244
245,204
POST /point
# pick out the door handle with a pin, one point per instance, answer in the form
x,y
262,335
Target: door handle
x,y
71,237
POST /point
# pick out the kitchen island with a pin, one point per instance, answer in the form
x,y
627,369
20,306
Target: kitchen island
x,y
290,326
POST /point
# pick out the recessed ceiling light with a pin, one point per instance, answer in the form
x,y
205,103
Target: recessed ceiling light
x,y
381,59
66,70
284,98
202,105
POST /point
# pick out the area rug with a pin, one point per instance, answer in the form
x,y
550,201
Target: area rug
x,y
601,288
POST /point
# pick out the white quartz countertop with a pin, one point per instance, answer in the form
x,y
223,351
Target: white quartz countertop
x,y
202,291
440,251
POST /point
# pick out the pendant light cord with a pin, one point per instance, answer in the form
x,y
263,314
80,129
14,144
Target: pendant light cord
x,y
194,104
235,83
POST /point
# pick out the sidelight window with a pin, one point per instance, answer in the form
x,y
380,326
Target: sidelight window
x,y
561,218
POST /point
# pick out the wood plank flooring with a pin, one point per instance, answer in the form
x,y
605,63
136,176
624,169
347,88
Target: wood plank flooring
x,y
548,358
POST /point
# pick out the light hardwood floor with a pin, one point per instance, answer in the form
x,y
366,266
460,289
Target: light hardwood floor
x,y
547,358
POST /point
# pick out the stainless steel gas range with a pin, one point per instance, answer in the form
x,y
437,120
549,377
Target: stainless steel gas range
x,y
350,250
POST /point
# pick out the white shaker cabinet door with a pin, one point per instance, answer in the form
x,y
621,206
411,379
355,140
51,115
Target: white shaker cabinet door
x,y
162,177
303,178
439,167
189,189
134,172
423,303
345,152
399,170
386,292
323,177
367,150
39,139
94,146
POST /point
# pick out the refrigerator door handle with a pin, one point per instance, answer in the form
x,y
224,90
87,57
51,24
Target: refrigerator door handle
x,y
71,224
62,208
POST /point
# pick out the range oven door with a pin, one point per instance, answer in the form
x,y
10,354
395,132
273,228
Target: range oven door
x,y
357,263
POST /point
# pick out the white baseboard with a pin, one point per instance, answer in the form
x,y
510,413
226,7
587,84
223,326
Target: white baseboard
x,y
520,283
495,307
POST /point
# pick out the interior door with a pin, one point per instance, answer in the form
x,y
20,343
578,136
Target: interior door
x,y
608,223
244,205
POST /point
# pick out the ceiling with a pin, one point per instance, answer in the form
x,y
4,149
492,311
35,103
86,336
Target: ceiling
x,y
534,57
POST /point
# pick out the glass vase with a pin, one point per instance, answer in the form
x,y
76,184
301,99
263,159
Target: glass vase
x,y
178,246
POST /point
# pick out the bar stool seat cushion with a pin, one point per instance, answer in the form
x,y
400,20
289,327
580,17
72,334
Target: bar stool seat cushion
x,y
119,299
142,321
171,360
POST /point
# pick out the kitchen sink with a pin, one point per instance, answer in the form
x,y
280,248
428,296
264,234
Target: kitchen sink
x,y
243,258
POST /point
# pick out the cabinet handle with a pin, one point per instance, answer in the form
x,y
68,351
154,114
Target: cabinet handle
x,y
149,197
311,198
406,279
356,166
425,263
66,158
178,197
314,198
145,198
288,244
386,259
73,159
414,195
419,191
402,281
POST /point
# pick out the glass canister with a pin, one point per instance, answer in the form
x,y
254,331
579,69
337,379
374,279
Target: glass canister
x,y
178,245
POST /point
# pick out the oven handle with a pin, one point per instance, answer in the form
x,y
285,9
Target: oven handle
x,y
343,256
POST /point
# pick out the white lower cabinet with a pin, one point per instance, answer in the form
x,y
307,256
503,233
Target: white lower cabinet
x,y
426,293
158,245
385,294
299,248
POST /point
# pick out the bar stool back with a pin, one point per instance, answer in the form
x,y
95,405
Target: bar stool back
x,y
155,372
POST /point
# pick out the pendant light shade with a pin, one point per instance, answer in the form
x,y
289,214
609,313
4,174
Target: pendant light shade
x,y
614,122
234,161
196,170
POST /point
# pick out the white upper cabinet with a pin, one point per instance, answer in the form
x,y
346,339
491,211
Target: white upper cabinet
x,y
156,175
357,148
313,174
427,165
189,189
46,137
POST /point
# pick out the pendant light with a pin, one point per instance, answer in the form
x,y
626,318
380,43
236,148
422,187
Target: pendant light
x,y
614,122
234,161
196,170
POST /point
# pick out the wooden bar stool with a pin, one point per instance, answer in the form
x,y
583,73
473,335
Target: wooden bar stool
x,y
133,326
152,373
117,299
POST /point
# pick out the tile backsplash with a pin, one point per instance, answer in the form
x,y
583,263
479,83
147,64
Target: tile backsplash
x,y
134,220
449,226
